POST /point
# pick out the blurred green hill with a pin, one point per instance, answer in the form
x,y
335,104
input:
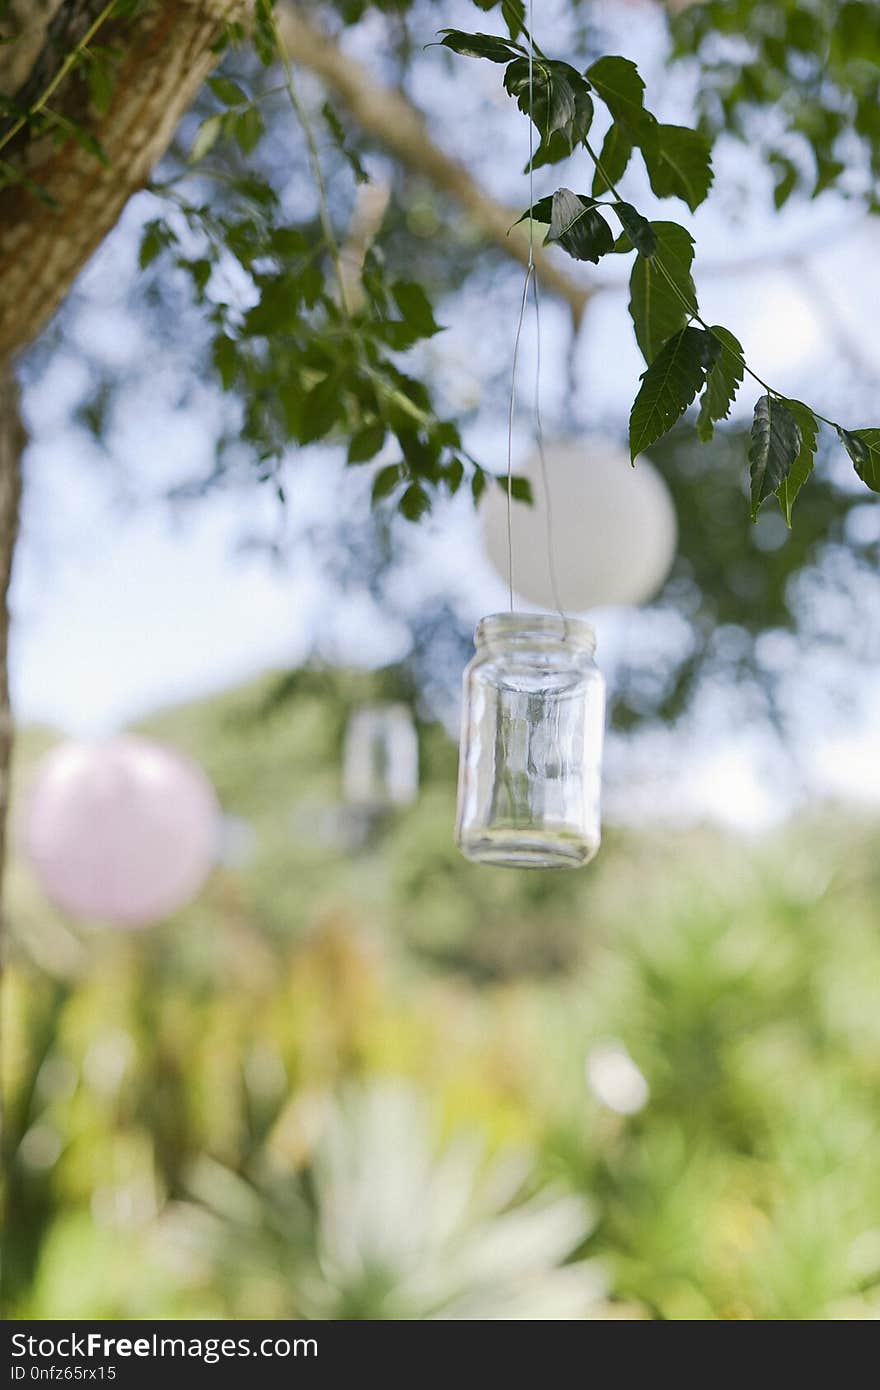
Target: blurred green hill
x,y
650,1089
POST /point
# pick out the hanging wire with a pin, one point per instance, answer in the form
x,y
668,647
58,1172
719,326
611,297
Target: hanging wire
x,y
530,279
510,412
530,271
545,475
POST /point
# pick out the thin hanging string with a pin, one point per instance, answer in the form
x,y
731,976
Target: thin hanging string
x,y
531,278
510,412
545,476
530,270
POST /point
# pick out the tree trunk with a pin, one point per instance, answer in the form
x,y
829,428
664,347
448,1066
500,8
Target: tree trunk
x,y
12,441
50,225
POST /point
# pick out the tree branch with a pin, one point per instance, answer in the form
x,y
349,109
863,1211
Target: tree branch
x,y
389,118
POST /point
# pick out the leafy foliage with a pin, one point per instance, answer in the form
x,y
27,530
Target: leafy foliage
x,y
663,297
307,366
815,66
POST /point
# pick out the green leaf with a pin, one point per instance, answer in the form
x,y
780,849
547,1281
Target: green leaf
x,y
224,352
489,46
478,484
248,129
520,488
287,241
100,79
453,474
322,408
553,150
256,190
827,173
669,385
337,130
722,383
278,309
679,164
415,308
617,148
155,238
365,443
421,451
562,143
774,445
638,229
657,285
415,502
558,101
786,179
199,268
803,465
578,227
311,284
863,447
513,12
228,92
542,211
207,137
386,480
417,319
621,88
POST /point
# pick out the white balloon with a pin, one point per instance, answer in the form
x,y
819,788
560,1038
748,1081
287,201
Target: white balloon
x,y
614,528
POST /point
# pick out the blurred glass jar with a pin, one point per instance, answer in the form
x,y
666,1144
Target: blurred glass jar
x,y
533,723
380,760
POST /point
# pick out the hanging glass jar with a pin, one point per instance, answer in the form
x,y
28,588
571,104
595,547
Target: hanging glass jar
x,y
531,744
380,760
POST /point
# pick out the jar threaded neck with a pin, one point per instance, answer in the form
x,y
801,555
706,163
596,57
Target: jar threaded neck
x,y
535,627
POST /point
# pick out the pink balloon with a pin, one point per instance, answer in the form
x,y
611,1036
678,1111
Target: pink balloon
x,y
123,831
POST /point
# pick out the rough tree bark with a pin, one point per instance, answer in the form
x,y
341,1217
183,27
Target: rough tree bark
x,y
12,442
165,54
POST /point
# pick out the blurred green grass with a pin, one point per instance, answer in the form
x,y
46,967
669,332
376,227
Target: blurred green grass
x,y
191,1110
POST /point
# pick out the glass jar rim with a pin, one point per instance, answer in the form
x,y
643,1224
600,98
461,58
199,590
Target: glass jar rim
x,y
536,627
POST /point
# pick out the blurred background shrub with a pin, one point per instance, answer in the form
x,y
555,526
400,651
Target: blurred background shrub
x,y
363,1078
